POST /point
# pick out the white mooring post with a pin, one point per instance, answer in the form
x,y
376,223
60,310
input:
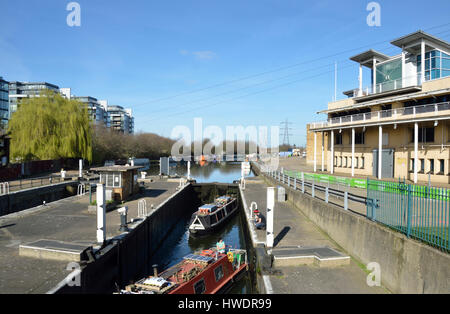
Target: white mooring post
x,y
101,213
189,170
270,216
80,164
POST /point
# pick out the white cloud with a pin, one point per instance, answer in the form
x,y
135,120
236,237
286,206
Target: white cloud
x,y
201,55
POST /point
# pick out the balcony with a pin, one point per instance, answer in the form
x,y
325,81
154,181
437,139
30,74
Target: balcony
x,y
411,82
395,115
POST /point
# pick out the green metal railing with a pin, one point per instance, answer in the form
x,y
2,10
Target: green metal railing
x,y
420,212
324,178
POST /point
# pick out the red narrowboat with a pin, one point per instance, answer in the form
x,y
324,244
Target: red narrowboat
x,y
209,272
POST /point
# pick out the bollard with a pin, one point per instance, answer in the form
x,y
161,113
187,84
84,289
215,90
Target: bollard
x,y
123,219
346,200
101,213
270,216
253,204
189,170
80,164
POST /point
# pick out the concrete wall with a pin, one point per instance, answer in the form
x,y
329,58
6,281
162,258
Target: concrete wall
x,y
20,200
407,266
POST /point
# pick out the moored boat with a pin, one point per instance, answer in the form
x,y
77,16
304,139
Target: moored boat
x,y
207,272
210,217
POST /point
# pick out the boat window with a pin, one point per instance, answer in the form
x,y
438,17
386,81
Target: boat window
x,y
218,272
199,287
219,215
213,219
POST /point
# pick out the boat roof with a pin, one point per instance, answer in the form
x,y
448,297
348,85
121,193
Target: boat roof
x,y
198,258
209,206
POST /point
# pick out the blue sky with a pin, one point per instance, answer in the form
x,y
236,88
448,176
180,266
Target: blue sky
x,y
146,55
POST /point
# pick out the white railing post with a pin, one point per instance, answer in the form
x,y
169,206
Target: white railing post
x,y
346,200
313,192
326,194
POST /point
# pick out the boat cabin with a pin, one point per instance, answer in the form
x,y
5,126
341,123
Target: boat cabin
x,y
207,209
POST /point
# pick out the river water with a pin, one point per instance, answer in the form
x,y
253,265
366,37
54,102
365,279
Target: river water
x,y
180,244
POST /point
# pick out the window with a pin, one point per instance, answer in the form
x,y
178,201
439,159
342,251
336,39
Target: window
x,y
218,273
426,135
356,162
345,162
213,219
112,180
219,215
431,161
441,166
338,139
199,287
362,162
422,166
359,138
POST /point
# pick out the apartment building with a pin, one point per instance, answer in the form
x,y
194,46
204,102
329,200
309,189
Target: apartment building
x,y
97,113
120,119
20,90
4,102
399,126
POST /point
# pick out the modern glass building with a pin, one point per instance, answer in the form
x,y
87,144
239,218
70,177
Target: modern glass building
x,y
120,119
4,102
19,90
96,111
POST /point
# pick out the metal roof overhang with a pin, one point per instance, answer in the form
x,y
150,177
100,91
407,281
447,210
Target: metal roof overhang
x,y
413,41
366,58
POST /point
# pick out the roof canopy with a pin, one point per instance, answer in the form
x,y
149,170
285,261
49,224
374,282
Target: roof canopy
x,y
116,168
366,58
412,42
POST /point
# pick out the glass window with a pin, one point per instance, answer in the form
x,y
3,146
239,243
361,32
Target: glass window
x,y
199,287
431,166
218,273
422,165
441,166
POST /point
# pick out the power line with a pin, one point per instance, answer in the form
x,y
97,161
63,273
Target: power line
x,y
262,91
272,71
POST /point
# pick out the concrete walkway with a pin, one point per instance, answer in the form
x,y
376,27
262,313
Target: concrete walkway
x,y
292,228
65,220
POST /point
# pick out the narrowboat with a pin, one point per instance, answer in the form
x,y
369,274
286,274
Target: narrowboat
x,y
208,272
210,217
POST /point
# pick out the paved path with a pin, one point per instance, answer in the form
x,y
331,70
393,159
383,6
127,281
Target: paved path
x,y
291,227
65,220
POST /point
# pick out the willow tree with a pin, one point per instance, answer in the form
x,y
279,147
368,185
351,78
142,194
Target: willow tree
x,y
50,127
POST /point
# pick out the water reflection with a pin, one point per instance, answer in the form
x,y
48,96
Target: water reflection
x,y
224,172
